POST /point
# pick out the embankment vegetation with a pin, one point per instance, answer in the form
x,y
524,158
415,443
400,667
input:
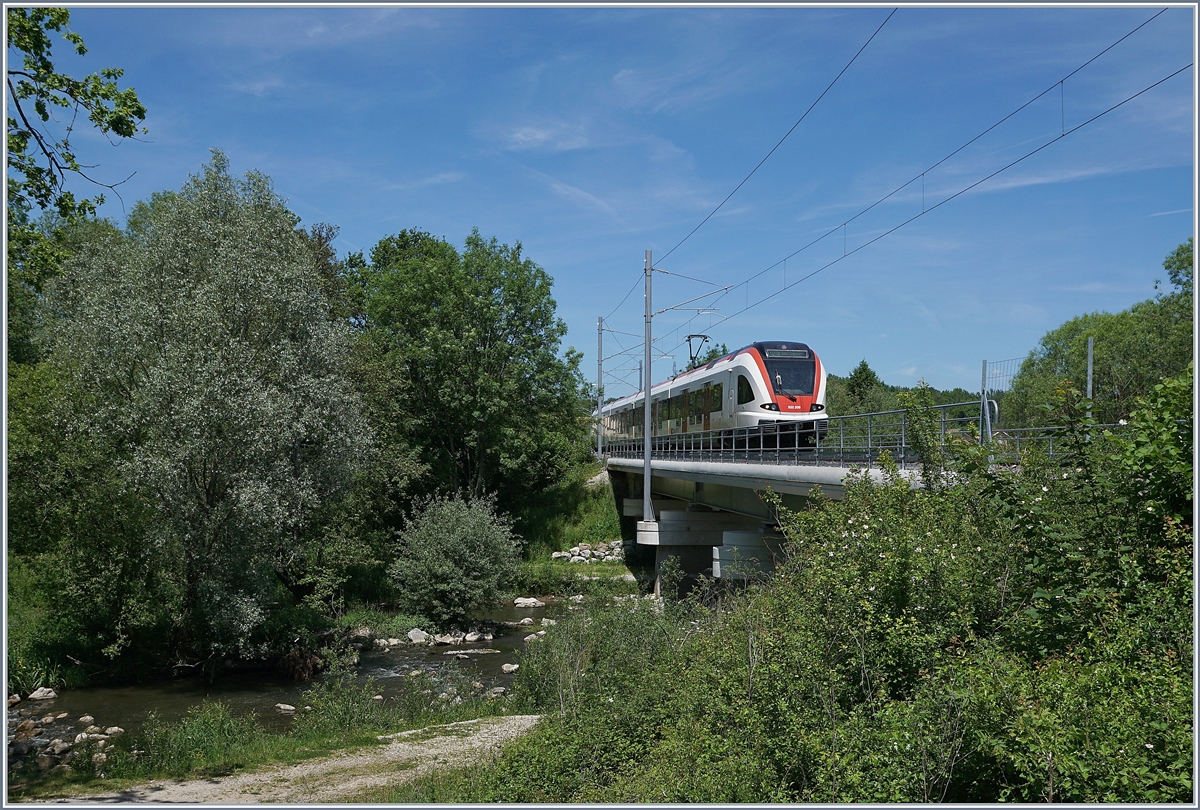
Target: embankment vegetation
x,y
1005,634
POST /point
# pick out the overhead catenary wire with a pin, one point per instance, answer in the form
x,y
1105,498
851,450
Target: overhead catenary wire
x,y
932,208
761,162
781,140
921,175
1059,84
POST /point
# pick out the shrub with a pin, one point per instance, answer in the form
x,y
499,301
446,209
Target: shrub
x,y
455,556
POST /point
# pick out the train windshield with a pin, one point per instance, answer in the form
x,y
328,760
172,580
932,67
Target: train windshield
x,y
792,371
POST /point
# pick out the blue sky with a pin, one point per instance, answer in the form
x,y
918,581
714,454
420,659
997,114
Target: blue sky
x,y
592,135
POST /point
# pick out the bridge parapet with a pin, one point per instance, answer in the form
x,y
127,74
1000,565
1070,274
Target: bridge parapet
x,y
858,440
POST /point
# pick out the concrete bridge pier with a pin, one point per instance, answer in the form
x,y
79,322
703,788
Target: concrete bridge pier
x,y
689,537
747,555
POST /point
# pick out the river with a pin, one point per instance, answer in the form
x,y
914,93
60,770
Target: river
x,y
258,691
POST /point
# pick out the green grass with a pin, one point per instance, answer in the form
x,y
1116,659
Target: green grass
x,y
568,514
383,624
555,578
467,785
210,741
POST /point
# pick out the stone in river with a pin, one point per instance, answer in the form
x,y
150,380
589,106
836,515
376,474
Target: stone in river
x,y
114,731
45,693
285,708
508,669
417,636
525,621
444,638
528,602
13,700
472,637
87,720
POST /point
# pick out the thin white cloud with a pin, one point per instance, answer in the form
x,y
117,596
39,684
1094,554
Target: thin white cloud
x,y
258,87
1176,211
580,197
559,137
439,179
273,33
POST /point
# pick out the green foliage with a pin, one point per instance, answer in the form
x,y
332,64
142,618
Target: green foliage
x,y
209,740
861,381
569,513
1156,451
1133,350
37,87
714,353
40,161
1180,267
463,364
339,702
176,447
1009,634
454,556
26,675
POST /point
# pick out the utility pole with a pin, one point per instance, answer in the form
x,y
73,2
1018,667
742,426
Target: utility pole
x,y
1089,379
985,413
647,503
599,388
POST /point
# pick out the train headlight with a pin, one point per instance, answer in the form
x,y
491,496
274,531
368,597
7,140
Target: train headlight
x,y
816,406
769,406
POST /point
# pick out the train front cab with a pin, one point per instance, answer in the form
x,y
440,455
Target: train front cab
x,y
795,384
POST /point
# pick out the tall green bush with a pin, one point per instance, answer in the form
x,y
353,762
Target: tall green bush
x,y
454,556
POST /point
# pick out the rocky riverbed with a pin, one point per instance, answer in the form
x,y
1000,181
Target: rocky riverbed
x,y
55,729
53,741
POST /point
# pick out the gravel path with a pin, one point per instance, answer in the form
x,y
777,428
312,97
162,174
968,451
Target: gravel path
x,y
405,756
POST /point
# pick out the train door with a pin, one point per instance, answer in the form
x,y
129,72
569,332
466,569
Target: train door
x,y
707,406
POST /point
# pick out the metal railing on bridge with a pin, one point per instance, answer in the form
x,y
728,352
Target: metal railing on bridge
x,y
841,441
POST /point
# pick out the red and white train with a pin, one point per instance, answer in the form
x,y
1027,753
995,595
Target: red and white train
x,y
760,385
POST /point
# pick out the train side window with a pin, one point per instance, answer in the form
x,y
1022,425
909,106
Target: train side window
x,y
714,403
745,392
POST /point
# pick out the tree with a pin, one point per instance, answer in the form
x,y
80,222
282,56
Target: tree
x,y
1180,267
1133,350
861,380
712,354
40,162
464,365
205,363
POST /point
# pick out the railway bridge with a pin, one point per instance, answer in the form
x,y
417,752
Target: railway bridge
x,y
706,486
